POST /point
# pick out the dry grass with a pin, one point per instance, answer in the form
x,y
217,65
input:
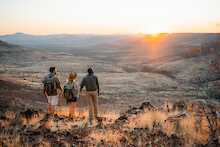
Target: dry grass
x,y
10,115
33,120
193,128
147,119
110,136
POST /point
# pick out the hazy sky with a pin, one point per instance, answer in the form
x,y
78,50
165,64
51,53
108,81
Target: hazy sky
x,y
109,16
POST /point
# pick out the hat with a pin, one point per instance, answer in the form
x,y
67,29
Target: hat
x,y
72,76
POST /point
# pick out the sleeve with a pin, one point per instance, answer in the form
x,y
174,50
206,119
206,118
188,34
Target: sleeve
x,y
44,79
82,84
64,88
77,89
44,88
58,83
97,82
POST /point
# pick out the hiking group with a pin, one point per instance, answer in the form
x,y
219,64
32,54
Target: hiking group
x,y
71,92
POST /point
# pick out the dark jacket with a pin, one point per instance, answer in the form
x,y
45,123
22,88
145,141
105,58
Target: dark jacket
x,y
91,83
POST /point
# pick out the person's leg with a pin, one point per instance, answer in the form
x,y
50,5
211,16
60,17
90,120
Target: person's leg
x,y
54,103
95,104
90,107
50,107
72,106
49,111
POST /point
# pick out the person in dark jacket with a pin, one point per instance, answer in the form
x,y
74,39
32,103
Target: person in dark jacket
x,y
91,83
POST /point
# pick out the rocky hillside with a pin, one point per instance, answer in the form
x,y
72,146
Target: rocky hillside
x,y
171,124
4,44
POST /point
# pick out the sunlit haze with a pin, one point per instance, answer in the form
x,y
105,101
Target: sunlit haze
x,y
109,17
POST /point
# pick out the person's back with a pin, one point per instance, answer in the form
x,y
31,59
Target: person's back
x,y
51,85
70,90
71,93
90,82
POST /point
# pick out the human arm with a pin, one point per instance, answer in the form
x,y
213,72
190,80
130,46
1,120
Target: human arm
x,y
44,87
97,83
77,89
82,84
58,86
45,92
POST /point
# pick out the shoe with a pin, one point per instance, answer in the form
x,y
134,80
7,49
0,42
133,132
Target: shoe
x,y
71,116
89,125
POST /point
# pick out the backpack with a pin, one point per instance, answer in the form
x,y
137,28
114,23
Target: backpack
x,y
50,85
70,91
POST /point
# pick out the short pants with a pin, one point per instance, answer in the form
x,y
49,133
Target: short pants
x,y
53,100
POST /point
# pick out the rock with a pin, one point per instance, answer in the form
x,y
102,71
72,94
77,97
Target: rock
x,y
179,106
147,106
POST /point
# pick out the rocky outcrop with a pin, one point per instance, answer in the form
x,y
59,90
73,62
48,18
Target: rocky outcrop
x,y
186,123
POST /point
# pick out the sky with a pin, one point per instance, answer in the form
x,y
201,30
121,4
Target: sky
x,y
109,16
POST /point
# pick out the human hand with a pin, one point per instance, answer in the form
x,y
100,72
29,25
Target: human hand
x,y
45,95
61,95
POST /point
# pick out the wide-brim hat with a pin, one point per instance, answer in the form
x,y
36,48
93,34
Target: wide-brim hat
x,y
72,76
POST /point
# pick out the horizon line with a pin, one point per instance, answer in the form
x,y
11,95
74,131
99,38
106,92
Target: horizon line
x,y
107,34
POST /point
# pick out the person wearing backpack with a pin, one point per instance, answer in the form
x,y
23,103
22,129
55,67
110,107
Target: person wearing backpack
x,y
91,83
71,93
51,86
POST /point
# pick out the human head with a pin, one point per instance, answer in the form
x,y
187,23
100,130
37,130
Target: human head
x,y
52,69
72,76
90,71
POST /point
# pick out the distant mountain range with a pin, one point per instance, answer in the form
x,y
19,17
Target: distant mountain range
x,y
60,40
88,40
4,44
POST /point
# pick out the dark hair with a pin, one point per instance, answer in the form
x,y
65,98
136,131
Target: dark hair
x,y
52,69
90,71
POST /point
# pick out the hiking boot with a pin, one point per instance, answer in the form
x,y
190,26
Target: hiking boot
x,y
89,124
72,116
